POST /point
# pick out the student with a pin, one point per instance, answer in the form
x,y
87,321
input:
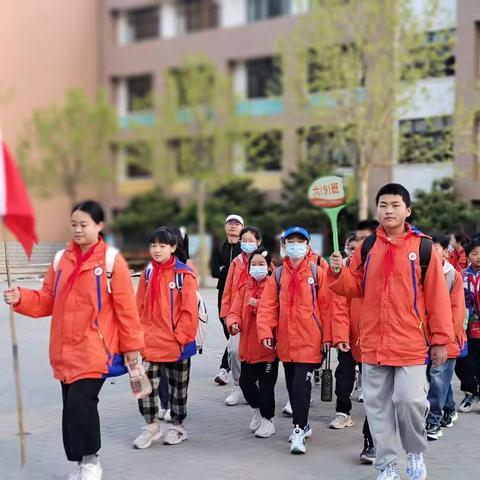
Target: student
x,y
468,368
294,318
82,333
345,324
457,256
440,377
396,335
167,303
221,258
250,240
259,364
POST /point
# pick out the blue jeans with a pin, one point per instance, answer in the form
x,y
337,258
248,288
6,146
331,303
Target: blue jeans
x,y
440,394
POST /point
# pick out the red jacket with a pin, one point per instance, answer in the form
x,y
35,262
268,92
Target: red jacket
x,y
346,317
395,328
173,321
237,276
76,350
458,259
296,318
244,315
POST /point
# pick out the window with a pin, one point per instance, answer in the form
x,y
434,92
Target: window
x,y
191,155
196,15
433,56
262,9
139,93
426,140
264,77
143,23
138,158
338,67
264,151
330,147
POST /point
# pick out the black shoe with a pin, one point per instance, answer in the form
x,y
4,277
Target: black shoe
x,y
368,454
434,432
316,377
448,419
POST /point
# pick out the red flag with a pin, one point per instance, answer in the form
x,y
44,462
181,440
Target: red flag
x,y
15,207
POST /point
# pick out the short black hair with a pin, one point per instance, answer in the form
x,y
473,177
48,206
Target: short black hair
x,y
441,239
473,244
368,224
394,189
261,250
92,208
462,238
163,235
252,229
182,251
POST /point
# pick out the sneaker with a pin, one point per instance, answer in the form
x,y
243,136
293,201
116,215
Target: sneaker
x,y
287,410
149,434
266,429
297,441
76,475
256,420
91,471
222,377
235,397
467,403
416,468
360,397
434,432
168,416
175,435
307,432
161,413
341,420
390,473
316,378
368,454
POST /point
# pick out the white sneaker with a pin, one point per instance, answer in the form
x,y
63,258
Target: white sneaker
x,y
307,432
256,420
340,421
360,397
266,429
176,434
168,416
149,434
416,468
235,397
297,441
91,471
76,475
222,377
390,473
161,413
287,409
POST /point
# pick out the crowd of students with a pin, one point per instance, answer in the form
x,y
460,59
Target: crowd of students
x,y
400,307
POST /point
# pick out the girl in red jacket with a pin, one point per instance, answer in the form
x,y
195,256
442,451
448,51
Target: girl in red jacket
x,y
167,303
259,364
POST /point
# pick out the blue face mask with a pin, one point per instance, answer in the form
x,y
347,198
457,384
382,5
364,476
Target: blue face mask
x,y
259,273
296,251
248,247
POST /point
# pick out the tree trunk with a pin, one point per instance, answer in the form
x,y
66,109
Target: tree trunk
x,y
363,177
202,228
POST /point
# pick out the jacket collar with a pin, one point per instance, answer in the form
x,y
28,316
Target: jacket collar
x,y
97,258
410,230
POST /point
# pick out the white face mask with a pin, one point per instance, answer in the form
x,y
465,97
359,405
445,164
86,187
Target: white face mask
x,y
259,273
248,247
296,251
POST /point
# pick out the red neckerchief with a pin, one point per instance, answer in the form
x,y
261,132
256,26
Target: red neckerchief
x,y
245,275
156,269
256,291
475,281
294,286
81,258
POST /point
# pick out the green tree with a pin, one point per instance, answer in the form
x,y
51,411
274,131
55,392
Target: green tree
x,y
64,148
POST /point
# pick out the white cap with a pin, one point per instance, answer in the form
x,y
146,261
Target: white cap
x,y
236,218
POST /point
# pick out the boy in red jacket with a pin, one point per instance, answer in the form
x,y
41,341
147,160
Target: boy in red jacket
x,y
396,334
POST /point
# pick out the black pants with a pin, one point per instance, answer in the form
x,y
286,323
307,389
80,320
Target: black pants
x,y
345,380
298,377
468,368
262,395
163,392
80,420
224,363
367,436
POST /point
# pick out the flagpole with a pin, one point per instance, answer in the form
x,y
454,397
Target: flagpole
x,y
16,365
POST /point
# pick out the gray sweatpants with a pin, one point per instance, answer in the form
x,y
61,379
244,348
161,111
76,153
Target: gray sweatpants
x,y
396,396
234,358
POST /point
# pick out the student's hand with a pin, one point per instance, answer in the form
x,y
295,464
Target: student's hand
x,y
343,347
438,355
268,343
11,295
336,262
132,359
326,347
234,329
253,302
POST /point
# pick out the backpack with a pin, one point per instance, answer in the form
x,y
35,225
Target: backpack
x,y
202,308
425,252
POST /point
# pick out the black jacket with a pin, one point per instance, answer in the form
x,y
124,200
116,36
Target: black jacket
x,y
221,258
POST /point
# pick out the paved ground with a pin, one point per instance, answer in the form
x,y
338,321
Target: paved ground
x,y
220,445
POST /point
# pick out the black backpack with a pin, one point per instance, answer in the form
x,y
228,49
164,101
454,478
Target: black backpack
x,y
425,252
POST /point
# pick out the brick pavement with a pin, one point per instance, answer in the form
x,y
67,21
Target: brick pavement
x,y
220,445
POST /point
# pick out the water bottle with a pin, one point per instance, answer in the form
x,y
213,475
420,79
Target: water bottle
x,y
139,381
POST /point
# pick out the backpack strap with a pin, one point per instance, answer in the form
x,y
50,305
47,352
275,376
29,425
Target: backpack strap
x,y
425,256
367,246
148,272
179,282
313,269
278,276
109,264
450,276
57,258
